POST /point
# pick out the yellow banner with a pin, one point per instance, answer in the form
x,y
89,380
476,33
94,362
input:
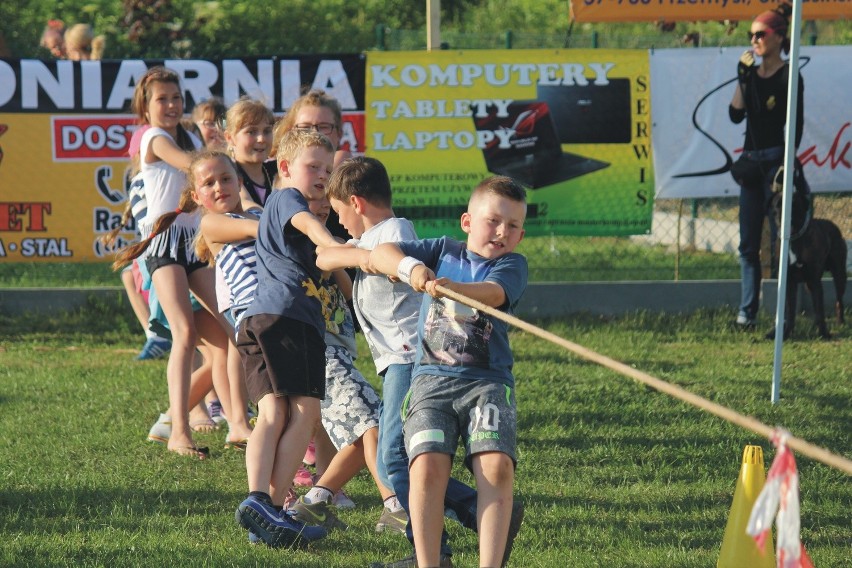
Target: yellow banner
x,y
57,198
571,125
697,10
65,132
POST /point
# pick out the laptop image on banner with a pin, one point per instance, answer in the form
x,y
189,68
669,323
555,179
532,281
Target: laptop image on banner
x,y
590,114
531,151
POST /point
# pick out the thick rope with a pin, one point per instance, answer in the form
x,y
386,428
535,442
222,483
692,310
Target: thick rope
x,y
747,422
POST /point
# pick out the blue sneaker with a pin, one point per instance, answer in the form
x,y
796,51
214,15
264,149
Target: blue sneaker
x,y
154,348
274,528
254,539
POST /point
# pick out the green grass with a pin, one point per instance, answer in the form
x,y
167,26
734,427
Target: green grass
x,y
565,259
57,274
612,473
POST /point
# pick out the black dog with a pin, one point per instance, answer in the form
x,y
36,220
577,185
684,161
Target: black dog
x,y
816,247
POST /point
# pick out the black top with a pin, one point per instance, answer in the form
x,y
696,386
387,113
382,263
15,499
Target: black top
x,y
766,110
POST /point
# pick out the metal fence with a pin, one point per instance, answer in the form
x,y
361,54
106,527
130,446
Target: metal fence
x,y
691,239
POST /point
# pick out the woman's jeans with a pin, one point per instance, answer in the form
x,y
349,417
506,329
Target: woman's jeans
x,y
754,206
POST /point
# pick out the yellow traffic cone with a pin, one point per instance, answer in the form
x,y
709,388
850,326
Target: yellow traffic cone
x,y
738,549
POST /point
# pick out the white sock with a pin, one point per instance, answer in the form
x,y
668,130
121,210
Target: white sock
x,y
318,494
392,504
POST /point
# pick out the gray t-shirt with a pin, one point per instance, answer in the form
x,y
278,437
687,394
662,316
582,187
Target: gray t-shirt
x,y
387,311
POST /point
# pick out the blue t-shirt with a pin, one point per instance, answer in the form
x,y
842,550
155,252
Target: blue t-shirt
x,y
455,340
287,274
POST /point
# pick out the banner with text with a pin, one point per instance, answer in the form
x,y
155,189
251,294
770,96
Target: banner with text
x,y
695,141
697,10
65,129
571,125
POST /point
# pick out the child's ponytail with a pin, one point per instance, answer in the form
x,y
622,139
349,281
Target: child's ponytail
x,y
109,238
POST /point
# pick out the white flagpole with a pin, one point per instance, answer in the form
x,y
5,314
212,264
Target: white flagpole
x,y
789,155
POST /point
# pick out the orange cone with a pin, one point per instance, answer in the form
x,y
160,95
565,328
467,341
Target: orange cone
x,y
738,549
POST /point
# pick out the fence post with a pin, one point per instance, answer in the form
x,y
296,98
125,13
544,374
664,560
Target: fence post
x,y
508,39
813,37
692,229
380,37
595,39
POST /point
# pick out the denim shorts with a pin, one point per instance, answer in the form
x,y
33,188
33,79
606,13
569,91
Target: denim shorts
x,y
439,410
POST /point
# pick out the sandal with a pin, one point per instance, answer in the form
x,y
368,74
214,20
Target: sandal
x,y
239,445
193,452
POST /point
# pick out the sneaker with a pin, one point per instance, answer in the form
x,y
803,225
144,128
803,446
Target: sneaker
x,y
392,521
310,454
154,348
411,562
317,514
514,526
303,477
744,321
274,528
214,409
161,431
254,539
342,501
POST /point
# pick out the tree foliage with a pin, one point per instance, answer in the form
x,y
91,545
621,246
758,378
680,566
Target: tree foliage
x,y
198,28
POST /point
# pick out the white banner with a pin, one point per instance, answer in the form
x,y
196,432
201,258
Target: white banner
x,y
694,140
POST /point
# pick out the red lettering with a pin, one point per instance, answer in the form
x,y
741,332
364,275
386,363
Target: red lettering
x,y
37,213
10,214
835,155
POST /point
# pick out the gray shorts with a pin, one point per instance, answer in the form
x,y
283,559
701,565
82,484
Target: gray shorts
x,y
440,409
351,405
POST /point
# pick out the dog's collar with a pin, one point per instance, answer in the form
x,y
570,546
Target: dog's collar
x,y
805,225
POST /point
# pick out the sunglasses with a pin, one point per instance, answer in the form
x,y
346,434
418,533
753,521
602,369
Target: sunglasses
x,y
757,36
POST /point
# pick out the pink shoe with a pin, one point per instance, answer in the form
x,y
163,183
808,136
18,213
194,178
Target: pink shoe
x,y
303,477
311,454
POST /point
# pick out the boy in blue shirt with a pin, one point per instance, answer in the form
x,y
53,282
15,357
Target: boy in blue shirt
x,y
462,365
462,383
281,339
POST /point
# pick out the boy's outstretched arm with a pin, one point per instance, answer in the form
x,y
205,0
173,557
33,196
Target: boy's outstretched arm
x,y
489,293
387,258
343,256
307,223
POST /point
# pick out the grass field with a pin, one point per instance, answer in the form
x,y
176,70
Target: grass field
x,y
566,259
612,473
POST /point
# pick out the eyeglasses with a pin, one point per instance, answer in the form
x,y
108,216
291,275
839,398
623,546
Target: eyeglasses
x,y
321,127
209,124
758,36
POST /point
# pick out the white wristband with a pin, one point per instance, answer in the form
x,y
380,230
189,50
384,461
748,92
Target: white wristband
x,y
406,265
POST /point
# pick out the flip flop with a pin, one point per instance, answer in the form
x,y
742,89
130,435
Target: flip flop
x,y
238,445
189,451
